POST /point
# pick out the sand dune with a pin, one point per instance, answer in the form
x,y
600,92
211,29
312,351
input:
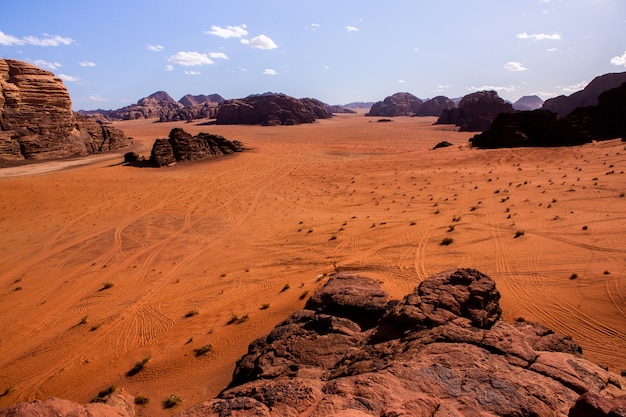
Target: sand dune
x,y
184,250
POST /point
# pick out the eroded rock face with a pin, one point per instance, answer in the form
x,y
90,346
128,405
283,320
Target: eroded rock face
x,y
398,104
476,111
37,121
156,105
270,110
182,146
442,350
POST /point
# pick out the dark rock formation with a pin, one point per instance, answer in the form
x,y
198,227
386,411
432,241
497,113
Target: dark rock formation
x,y
156,105
476,111
316,107
399,104
528,103
563,105
117,404
443,144
336,108
181,146
592,405
195,107
37,121
607,120
435,106
442,350
190,100
270,110
359,105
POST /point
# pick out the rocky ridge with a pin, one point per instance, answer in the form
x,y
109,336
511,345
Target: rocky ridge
x,y
476,111
441,351
37,121
528,103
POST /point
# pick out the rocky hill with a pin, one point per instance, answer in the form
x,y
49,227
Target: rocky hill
x,y
528,103
398,104
190,100
37,121
271,109
441,351
563,105
606,120
476,111
435,106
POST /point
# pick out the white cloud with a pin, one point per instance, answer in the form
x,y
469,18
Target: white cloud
x,y
95,97
552,49
69,78
87,64
169,67
492,87
539,36
260,42
193,73
573,88
269,71
47,40
619,60
190,59
441,87
218,55
315,25
514,66
228,32
401,81
46,64
352,29
154,48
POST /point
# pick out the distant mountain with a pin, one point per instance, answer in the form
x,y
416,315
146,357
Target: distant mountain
x,y
563,105
191,100
528,103
476,111
359,105
398,104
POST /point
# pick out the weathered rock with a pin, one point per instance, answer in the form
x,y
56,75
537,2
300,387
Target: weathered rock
x,y
592,405
398,104
435,106
156,105
442,144
528,103
440,351
182,146
316,107
37,121
190,100
563,105
268,109
336,108
476,111
118,404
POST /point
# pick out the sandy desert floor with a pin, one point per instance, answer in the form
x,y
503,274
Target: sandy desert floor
x,y
104,265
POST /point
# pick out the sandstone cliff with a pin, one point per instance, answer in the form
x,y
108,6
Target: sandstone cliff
x,y
476,111
37,121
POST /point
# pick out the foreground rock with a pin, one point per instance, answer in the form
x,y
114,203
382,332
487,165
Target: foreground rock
x,y
476,111
37,121
271,110
118,404
442,350
182,146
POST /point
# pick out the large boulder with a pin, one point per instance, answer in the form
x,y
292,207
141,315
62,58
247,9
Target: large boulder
x,y
270,109
398,104
181,146
442,350
37,121
476,111
435,106
563,105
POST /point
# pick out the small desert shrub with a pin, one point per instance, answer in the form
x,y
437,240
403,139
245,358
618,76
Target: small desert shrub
x,y
333,237
606,272
518,234
102,394
94,327
172,401
106,286
83,320
473,208
138,367
285,288
203,350
451,228
446,241
521,319
456,218
573,276
191,313
585,227
141,400
303,295
235,319
265,306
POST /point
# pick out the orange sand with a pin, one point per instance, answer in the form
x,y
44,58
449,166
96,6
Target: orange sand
x,y
223,238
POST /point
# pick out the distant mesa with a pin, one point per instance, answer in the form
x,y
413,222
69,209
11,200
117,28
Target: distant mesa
x,y
336,108
476,111
271,109
359,105
606,120
398,104
191,100
528,103
563,105
37,121
181,146
435,106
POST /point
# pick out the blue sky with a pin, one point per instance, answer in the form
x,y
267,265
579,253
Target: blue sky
x,y
113,53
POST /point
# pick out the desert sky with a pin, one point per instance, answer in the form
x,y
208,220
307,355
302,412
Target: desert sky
x,y
104,265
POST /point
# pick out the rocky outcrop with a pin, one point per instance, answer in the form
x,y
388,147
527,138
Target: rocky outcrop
x,y
117,404
563,105
398,104
316,107
476,111
269,110
181,146
442,350
528,103
195,107
156,105
336,108
190,100
607,120
37,121
435,106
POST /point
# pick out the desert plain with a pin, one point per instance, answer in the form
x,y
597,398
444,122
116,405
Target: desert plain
x,y
104,266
